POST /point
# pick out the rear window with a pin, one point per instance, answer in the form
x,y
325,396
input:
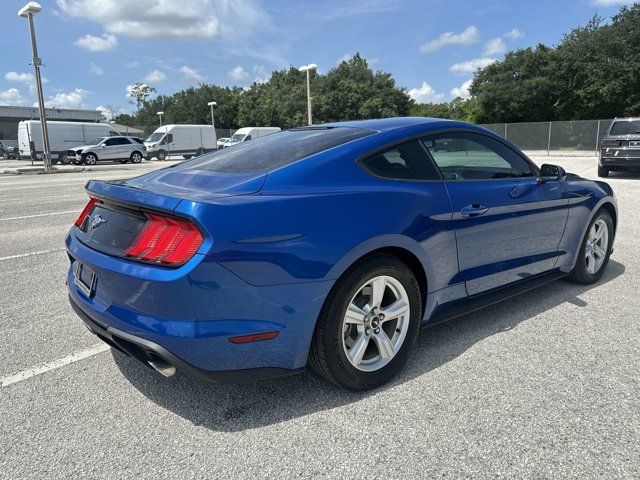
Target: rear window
x,y
625,127
275,150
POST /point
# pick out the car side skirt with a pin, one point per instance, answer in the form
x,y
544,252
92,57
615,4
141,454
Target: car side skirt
x,y
485,299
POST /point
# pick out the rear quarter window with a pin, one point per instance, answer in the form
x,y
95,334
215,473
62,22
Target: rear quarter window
x,y
275,150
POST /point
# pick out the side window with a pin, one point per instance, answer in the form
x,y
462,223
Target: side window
x,y
137,140
169,138
122,141
111,142
247,138
471,156
407,161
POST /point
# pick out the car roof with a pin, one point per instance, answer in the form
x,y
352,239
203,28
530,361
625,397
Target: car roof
x,y
388,124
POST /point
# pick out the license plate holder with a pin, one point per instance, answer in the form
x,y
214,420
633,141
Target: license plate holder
x,y
84,278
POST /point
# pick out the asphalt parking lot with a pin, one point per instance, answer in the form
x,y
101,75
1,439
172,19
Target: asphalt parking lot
x,y
545,385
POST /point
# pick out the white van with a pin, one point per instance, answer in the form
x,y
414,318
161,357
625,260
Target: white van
x,y
62,137
185,140
249,133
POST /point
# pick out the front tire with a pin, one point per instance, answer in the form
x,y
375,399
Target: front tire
x,y
90,159
367,325
603,172
162,155
595,250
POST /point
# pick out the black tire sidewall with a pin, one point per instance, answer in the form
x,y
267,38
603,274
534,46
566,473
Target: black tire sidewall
x,y
580,272
341,369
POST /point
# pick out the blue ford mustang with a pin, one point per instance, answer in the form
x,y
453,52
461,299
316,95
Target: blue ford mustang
x,y
326,246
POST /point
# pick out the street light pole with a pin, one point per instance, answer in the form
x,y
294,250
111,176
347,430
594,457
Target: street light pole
x,y
213,123
28,11
308,68
160,116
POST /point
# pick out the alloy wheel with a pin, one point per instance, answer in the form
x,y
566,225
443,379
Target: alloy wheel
x,y
376,323
595,251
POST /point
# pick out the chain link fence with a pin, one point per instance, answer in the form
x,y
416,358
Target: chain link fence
x,y
569,138
562,138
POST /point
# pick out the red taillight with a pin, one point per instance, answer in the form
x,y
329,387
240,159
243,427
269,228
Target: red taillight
x,y
254,337
86,211
165,241
610,143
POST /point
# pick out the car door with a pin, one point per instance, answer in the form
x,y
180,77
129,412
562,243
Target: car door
x,y
508,224
108,149
122,148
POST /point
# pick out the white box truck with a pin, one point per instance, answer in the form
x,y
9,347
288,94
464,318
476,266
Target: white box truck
x,y
245,134
62,136
185,140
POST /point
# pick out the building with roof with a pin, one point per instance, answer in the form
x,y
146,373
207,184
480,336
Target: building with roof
x,y
10,116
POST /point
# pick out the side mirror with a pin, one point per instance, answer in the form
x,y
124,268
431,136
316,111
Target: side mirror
x,y
551,172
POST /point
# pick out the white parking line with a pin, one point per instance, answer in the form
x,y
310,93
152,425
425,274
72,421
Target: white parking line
x,y
39,215
53,365
22,255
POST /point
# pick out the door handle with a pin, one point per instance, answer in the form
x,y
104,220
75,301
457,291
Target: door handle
x,y
473,210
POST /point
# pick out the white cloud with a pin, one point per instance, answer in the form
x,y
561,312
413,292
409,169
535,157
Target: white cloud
x,y
73,99
472,65
11,97
238,75
462,91
425,94
189,19
25,78
97,44
495,46
514,34
262,74
469,36
612,3
96,69
155,76
191,75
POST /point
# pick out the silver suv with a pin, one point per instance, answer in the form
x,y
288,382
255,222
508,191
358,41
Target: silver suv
x,y
620,147
116,148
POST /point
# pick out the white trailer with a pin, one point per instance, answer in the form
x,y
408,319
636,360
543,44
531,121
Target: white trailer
x,y
185,140
62,137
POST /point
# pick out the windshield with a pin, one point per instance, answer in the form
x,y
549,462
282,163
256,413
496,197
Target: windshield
x,y
238,137
272,151
155,137
625,127
96,141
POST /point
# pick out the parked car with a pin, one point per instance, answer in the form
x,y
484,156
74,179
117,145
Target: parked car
x,y
249,133
9,150
327,246
620,147
185,140
62,137
117,148
222,142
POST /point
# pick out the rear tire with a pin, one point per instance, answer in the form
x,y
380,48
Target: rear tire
x,y
364,350
595,250
603,172
63,159
136,157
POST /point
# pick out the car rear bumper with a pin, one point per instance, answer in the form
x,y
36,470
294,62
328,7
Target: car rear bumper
x,y
620,157
149,354
186,316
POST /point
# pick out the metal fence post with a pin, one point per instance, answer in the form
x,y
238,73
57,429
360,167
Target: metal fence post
x,y
549,142
597,138
505,130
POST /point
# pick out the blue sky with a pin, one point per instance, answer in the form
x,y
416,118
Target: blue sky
x,y
94,49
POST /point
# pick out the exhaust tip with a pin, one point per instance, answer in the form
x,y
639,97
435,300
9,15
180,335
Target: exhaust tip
x,y
164,368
